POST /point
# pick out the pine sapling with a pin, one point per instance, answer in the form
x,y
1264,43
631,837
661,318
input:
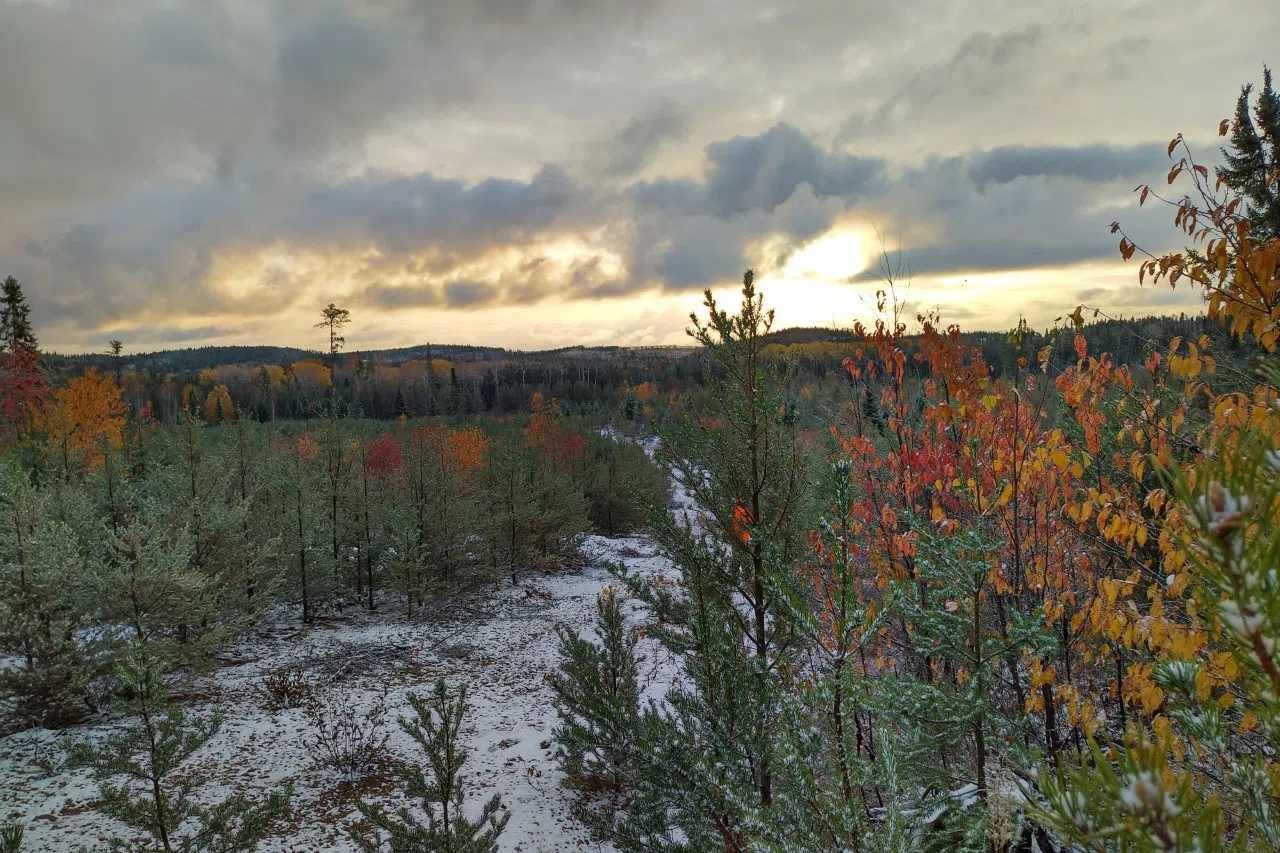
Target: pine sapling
x,y
597,698
436,727
11,837
145,784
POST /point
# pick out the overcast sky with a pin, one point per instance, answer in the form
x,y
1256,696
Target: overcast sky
x,y
543,172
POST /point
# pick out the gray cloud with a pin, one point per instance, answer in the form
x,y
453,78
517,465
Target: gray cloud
x,y
670,234
1097,162
383,296
979,66
636,145
465,294
404,213
761,172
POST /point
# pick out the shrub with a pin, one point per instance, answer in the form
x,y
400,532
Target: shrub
x,y
286,689
344,738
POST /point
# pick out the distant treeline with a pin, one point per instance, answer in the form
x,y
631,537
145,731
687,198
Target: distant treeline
x,y
270,383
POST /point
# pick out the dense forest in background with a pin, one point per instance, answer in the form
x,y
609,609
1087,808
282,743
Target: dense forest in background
x,y
272,383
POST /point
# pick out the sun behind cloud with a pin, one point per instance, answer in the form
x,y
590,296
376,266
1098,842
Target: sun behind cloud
x,y
836,256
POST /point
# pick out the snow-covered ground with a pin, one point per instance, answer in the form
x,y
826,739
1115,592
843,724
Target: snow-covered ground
x,y
500,642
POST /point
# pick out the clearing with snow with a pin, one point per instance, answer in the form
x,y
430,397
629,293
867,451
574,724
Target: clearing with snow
x,y
499,641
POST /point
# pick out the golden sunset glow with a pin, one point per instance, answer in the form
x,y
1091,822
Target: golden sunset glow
x,y
834,257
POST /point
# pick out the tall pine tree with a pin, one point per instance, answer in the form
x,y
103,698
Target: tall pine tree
x,y
708,762
1253,161
15,318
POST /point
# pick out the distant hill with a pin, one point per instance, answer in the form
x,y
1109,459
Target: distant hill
x,y
1124,338
189,359
809,335
194,359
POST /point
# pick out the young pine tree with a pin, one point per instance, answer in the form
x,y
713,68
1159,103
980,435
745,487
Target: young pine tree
x,y
145,785
829,740
709,765
45,606
338,457
531,512
436,727
148,586
620,484
597,698
207,492
297,487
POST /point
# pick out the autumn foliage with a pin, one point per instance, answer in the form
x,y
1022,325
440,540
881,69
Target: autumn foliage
x,y
1036,607
1090,586
84,420
467,448
24,391
218,408
382,457
547,434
